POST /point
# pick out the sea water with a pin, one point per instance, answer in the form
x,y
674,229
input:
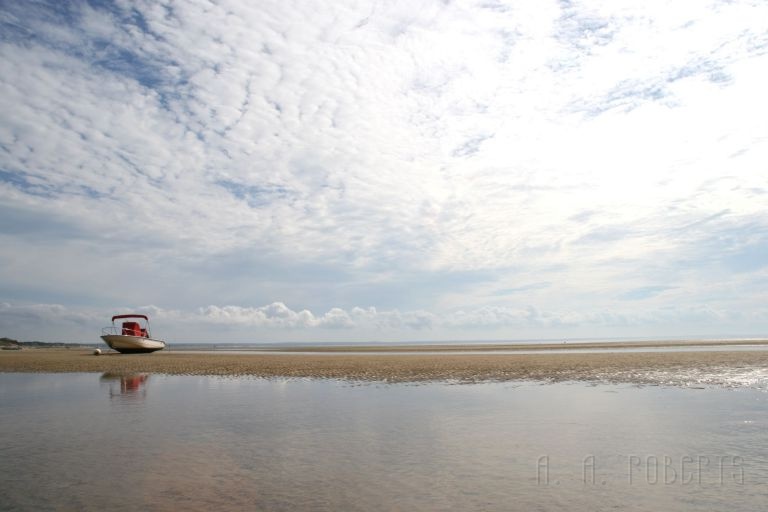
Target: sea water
x,y
139,442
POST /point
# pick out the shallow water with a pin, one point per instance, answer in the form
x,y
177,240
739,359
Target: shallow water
x,y
95,442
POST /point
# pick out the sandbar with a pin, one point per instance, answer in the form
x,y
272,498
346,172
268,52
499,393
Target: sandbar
x,y
689,367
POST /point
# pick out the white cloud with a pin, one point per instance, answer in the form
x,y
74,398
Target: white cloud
x,y
278,322
278,315
274,315
238,152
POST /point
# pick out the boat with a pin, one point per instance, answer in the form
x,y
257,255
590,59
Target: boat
x,y
132,337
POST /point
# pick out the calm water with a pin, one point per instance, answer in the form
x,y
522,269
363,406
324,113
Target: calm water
x,y
98,442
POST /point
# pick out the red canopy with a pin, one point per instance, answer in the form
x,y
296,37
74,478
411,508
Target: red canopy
x,y
130,316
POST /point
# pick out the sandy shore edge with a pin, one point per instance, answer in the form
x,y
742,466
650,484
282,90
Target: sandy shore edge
x,y
616,367
516,347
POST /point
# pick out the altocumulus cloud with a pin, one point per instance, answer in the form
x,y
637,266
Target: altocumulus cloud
x,y
390,170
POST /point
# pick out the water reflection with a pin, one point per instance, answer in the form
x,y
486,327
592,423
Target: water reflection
x,y
203,443
131,387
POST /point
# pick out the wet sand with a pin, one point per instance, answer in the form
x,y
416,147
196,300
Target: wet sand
x,y
674,368
518,347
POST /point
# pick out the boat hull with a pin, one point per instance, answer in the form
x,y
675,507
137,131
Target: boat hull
x,y
132,344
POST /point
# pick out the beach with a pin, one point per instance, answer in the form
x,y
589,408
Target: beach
x,y
695,364
604,428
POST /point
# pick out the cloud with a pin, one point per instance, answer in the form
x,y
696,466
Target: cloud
x,y
643,292
414,158
278,322
278,315
46,319
523,288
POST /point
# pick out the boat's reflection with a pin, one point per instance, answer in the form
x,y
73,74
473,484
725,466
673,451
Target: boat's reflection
x,y
130,387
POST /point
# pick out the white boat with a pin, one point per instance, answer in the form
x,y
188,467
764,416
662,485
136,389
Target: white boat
x,y
131,337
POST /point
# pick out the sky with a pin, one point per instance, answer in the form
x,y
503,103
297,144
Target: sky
x,y
288,170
